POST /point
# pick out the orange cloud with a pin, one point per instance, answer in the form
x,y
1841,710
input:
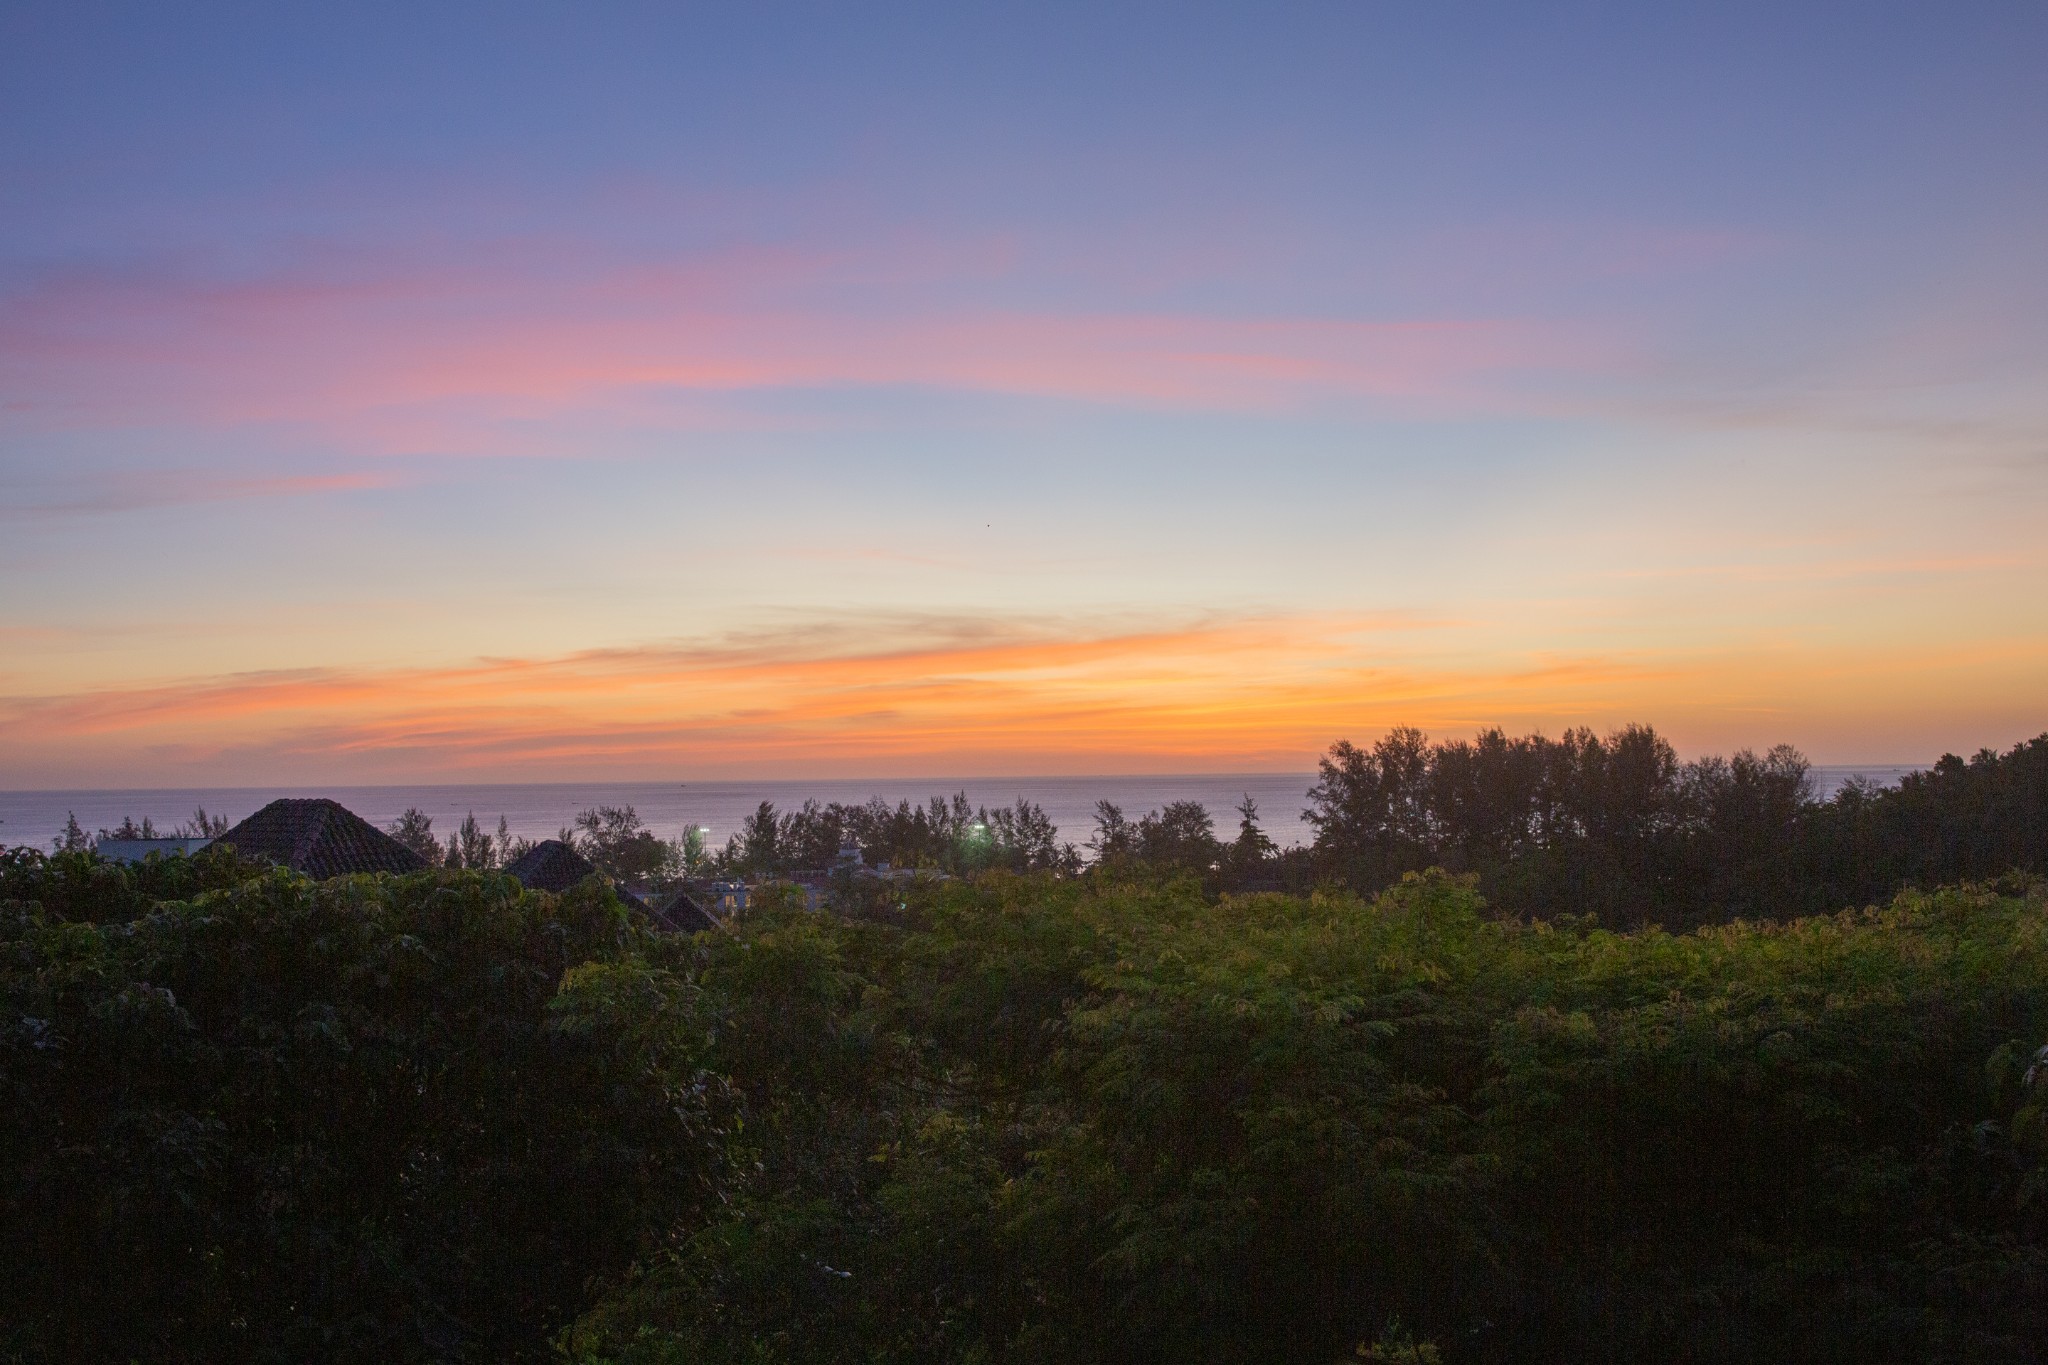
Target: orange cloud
x,y
919,697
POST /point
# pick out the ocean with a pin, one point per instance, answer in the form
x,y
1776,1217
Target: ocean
x,y
538,810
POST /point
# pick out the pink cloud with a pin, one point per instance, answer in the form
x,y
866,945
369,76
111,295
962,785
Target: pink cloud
x,y
136,490
383,357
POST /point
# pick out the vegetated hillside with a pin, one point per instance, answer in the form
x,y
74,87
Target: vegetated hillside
x,y
1104,1119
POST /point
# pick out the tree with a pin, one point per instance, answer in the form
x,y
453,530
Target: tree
x,y
415,829
760,841
510,849
691,853
1371,807
72,838
1181,837
1023,838
1115,838
203,826
1252,850
620,844
470,847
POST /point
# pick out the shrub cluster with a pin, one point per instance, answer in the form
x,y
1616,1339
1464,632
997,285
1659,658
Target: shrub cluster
x,y
437,1118
367,1119
1047,1122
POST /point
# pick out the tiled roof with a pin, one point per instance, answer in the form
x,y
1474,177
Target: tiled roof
x,y
550,865
320,838
681,913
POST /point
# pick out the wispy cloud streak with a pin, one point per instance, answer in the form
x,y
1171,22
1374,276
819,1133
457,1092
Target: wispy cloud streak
x,y
390,358
923,695
144,490
1012,696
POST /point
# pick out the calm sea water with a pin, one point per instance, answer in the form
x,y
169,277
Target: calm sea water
x,y
538,810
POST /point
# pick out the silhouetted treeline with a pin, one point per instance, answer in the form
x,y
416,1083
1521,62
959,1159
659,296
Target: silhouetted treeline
x,y
946,835
1618,828
1180,839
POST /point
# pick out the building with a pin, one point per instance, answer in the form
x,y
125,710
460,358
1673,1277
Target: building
x,y
681,913
847,872
135,850
723,897
551,865
320,838
816,886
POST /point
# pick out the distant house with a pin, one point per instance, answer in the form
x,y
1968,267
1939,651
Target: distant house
x,y
683,914
551,865
816,886
319,838
725,896
135,850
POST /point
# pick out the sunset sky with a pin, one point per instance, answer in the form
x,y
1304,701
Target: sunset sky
x,y
423,391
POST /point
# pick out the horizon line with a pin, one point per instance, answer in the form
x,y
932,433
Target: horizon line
x,y
738,781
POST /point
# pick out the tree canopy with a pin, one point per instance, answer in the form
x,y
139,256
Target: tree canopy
x,y
1620,829
1546,1051
1023,1117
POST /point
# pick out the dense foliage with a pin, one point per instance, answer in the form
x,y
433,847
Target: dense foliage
x,y
1021,1118
946,834
79,885
1053,1123
370,1119
1619,829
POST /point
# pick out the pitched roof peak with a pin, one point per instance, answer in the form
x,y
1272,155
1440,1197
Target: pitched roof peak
x,y
320,838
550,865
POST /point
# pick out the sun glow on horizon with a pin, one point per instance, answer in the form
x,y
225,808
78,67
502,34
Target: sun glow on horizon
x,y
967,697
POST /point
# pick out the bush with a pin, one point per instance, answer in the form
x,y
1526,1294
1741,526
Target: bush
x,y
367,1119
1021,1119
1048,1123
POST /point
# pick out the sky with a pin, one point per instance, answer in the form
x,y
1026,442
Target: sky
x,y
545,391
